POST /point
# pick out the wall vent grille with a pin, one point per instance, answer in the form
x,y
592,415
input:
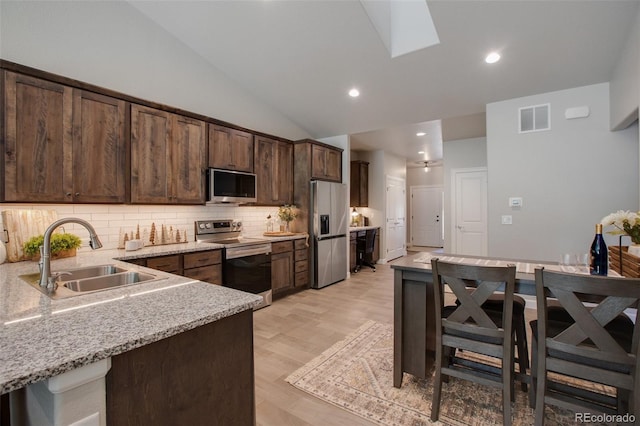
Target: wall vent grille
x,y
534,118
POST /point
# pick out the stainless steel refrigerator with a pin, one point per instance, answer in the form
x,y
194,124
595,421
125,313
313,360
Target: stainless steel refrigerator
x,y
329,231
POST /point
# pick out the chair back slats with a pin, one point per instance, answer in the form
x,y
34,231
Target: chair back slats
x,y
471,303
589,324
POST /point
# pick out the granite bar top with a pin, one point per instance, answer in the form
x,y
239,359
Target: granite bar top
x,y
41,337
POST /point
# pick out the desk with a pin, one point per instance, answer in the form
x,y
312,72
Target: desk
x,y
414,309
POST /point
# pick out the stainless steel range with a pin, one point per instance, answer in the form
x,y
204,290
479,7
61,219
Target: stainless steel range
x,y
247,261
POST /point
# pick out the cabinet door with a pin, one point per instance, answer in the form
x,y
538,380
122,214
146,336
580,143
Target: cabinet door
x,y
99,147
230,149
318,161
282,271
333,165
38,140
364,185
274,170
150,155
326,163
188,161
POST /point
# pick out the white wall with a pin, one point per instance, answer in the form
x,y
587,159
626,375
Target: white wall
x,y
459,154
625,85
569,177
113,45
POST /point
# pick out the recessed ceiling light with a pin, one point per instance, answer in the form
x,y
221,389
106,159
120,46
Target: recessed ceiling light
x,y
492,58
420,152
420,134
354,93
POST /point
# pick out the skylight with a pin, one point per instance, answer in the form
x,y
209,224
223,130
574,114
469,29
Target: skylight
x,y
403,26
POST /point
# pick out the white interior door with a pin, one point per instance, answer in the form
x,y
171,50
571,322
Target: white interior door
x,y
469,211
396,218
426,216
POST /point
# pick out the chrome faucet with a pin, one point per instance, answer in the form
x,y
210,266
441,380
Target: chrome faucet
x,y
45,248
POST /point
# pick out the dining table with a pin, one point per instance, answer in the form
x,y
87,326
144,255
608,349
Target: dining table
x,y
414,308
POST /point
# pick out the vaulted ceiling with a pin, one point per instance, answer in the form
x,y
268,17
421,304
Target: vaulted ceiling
x,y
303,56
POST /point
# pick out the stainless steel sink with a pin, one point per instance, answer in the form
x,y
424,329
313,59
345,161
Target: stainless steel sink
x,y
107,281
75,282
91,272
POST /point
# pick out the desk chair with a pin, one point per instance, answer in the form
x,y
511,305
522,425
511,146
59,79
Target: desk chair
x,y
467,326
364,250
594,342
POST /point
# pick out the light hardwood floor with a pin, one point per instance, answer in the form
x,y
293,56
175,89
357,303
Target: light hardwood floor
x,y
297,328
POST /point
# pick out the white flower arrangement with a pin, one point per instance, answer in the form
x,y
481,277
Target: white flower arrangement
x,y
625,222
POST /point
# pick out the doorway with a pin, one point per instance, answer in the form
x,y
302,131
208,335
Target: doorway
x,y
469,211
396,202
427,225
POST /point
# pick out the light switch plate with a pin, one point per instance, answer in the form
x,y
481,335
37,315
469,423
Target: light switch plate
x,y
507,219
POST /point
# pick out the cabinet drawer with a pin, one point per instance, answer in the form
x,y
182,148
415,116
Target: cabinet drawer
x,y
300,244
211,274
281,247
165,263
302,278
202,258
301,255
302,266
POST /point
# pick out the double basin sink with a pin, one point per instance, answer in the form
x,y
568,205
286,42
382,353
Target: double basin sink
x,y
79,281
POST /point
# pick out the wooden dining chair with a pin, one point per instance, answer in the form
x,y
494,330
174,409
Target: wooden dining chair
x,y
468,327
582,332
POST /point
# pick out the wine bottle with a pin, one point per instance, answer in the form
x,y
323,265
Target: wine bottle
x,y
599,254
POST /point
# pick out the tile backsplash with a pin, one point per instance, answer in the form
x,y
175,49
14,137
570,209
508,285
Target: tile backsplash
x,y
108,219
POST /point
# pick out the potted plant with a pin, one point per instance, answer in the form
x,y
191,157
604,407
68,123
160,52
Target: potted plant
x,y
62,245
286,214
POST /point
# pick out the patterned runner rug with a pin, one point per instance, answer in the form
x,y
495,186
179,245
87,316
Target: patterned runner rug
x,y
356,374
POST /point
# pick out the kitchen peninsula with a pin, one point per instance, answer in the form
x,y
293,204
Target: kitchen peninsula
x,y
167,351
413,324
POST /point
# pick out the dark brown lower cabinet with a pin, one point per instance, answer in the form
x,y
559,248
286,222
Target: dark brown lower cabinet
x,y
204,376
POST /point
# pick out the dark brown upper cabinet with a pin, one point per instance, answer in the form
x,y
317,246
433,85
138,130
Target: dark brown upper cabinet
x,y
326,163
230,149
62,144
167,157
359,184
274,171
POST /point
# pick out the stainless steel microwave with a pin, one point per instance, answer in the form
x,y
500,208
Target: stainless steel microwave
x,y
226,186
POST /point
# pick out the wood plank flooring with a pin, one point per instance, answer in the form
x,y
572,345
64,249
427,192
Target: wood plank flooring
x,y
297,328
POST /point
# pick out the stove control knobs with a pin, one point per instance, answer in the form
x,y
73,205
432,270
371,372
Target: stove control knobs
x,y
201,225
236,226
208,225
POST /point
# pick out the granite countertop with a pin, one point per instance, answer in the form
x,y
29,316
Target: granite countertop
x,y
41,337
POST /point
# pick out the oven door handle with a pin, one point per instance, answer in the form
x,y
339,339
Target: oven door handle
x,y
251,250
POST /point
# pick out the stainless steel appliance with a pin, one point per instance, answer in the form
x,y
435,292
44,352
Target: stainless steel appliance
x,y
247,261
226,186
329,230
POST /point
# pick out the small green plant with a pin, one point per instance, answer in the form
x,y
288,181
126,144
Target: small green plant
x,y
59,242
287,213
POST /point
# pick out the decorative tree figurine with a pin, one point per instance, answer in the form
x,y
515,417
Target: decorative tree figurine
x,y
152,234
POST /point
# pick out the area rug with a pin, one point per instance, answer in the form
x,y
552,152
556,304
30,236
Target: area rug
x,y
356,374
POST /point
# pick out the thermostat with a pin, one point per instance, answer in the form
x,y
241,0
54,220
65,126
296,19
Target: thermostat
x,y
515,201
